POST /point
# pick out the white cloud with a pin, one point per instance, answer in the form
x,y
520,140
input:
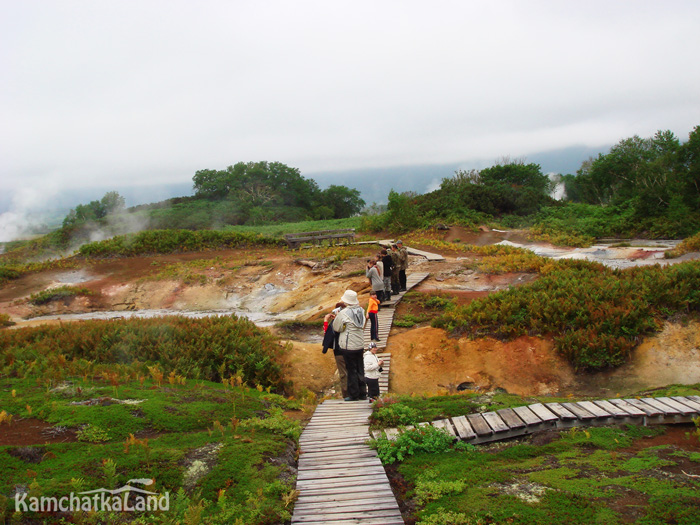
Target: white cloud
x,y
127,92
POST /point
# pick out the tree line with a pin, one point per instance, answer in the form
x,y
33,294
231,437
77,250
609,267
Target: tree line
x,y
642,186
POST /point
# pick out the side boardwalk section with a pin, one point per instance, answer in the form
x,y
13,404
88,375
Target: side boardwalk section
x,y
341,480
513,422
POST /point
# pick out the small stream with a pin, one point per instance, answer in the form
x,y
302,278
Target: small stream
x,y
261,319
638,253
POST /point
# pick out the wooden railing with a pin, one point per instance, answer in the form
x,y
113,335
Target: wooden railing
x,y
294,240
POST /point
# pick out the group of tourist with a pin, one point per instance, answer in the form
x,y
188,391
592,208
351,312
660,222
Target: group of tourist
x,y
358,369
387,271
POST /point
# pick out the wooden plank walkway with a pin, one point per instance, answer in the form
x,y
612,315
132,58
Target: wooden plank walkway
x,y
341,480
507,423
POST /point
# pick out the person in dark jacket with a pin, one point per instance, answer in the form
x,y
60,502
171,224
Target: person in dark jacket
x,y
350,323
388,267
330,340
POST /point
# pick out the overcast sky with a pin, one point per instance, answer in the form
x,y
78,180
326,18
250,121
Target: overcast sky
x,y
124,92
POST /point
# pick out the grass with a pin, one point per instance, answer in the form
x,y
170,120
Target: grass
x,y
159,430
280,229
584,477
139,397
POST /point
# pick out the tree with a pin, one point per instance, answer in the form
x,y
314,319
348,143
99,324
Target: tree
x,y
344,201
110,203
517,175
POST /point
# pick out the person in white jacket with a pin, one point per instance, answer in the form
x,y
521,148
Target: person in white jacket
x,y
349,323
373,368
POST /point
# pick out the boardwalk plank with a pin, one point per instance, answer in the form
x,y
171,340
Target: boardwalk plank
x,y
682,409
355,496
464,428
479,424
327,516
594,409
580,412
495,422
510,418
627,407
611,409
343,485
392,433
543,412
326,465
444,424
527,415
385,502
649,410
560,411
688,402
661,407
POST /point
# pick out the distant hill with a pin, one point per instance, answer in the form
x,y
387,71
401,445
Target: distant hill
x,y
375,183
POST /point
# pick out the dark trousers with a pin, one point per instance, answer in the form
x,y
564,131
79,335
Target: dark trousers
x,y
395,282
402,279
372,387
374,326
355,366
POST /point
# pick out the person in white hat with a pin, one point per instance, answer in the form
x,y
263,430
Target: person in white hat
x,y
350,324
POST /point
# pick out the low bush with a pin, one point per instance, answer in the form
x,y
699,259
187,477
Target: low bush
x,y
169,241
426,439
595,314
208,348
58,293
688,245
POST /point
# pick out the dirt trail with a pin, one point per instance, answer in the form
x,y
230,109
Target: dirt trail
x,y
268,281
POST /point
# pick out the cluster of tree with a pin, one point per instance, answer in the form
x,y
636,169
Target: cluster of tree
x,y
94,211
267,191
659,176
510,187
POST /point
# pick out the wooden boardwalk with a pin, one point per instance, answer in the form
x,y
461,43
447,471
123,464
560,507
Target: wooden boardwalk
x,y
341,480
507,423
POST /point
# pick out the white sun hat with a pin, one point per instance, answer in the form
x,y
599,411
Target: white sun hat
x,y
350,298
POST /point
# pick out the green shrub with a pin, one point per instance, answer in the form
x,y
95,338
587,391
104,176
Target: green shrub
x,y
409,320
394,415
55,294
595,314
690,244
92,434
169,241
208,348
426,439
